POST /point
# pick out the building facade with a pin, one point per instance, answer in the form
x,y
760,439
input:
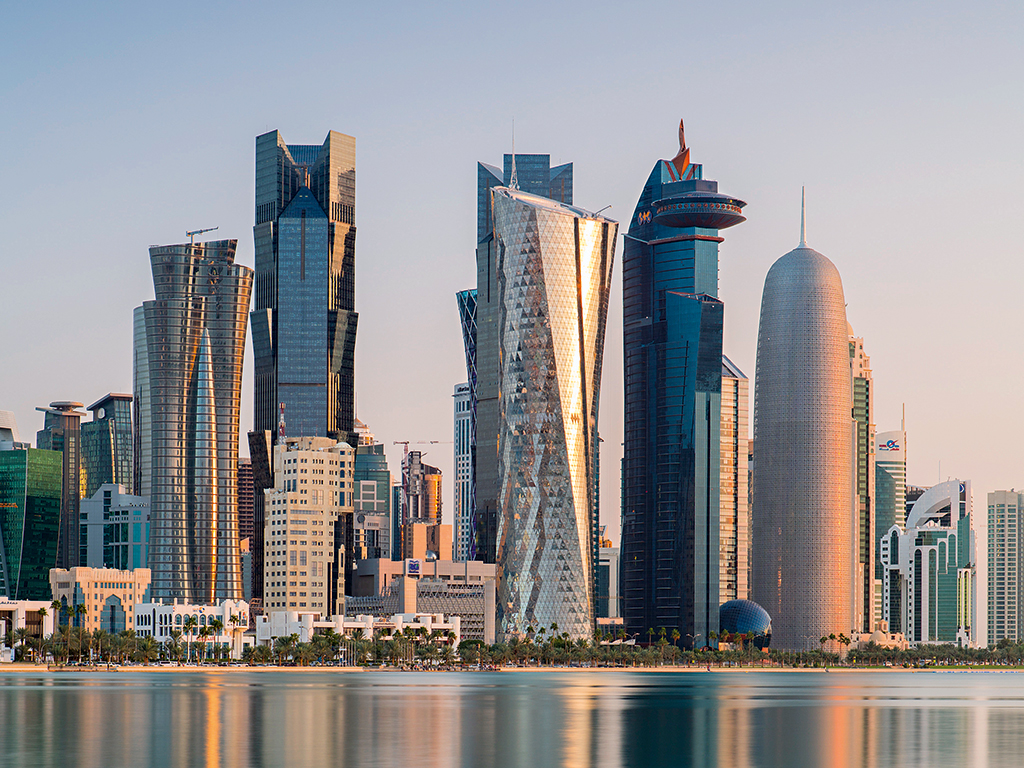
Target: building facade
x,y
734,511
934,588
226,622
246,498
804,527
672,358
115,529
890,501
463,516
107,455
421,497
189,344
107,596
466,301
554,272
862,390
309,513
62,431
30,513
481,312
1005,576
371,503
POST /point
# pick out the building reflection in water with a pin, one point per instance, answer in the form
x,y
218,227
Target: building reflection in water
x,y
576,719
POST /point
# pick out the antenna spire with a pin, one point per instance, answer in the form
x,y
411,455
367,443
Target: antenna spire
x,y
803,220
514,181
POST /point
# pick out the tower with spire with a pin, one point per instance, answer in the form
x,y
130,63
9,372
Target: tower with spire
x,y
805,559
672,340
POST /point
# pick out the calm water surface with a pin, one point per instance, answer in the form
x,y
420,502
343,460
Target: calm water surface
x,y
523,719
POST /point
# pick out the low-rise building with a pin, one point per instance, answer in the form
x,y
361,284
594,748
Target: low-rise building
x,y
881,637
306,625
108,595
35,616
226,623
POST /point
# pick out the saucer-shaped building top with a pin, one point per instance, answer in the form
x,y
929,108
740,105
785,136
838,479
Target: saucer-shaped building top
x,y
745,617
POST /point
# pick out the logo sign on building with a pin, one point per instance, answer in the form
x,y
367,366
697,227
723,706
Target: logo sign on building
x,y
412,567
889,445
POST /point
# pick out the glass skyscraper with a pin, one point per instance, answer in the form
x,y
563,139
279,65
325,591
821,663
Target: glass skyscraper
x,y
189,344
62,431
864,480
107,444
672,347
303,317
551,284
734,511
30,513
480,312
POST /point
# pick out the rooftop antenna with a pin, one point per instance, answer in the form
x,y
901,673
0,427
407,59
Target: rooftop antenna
x,y
514,181
803,220
192,235
903,419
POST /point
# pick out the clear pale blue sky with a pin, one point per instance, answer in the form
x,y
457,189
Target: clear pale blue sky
x,y
123,125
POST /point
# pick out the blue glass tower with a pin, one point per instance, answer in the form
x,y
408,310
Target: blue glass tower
x,y
672,339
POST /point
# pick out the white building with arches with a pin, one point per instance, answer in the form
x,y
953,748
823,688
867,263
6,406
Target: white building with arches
x,y
159,620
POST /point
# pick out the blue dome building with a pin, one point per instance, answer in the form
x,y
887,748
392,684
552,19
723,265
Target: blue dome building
x,y
746,617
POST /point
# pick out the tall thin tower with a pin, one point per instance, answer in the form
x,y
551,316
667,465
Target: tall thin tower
x,y
805,529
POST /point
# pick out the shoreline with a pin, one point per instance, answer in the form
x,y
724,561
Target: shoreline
x,y
22,667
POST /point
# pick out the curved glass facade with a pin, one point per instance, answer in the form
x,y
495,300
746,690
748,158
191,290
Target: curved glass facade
x,y
747,618
554,267
188,379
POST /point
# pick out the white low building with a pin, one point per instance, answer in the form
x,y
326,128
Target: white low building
x,y
33,615
306,625
158,620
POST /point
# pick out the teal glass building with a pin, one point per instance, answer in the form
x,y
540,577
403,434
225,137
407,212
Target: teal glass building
x,y
30,509
62,431
672,349
107,444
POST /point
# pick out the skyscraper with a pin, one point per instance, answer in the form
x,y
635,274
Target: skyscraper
x,y
62,431
550,287
480,311
107,444
30,516
890,497
672,357
734,514
463,511
1005,574
189,344
246,498
864,483
805,529
303,317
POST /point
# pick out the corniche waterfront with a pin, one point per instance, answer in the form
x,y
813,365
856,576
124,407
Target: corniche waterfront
x,y
522,718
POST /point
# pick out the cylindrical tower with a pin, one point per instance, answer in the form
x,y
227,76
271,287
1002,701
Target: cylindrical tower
x,y
803,538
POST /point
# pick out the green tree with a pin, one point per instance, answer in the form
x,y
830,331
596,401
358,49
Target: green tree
x,y
189,625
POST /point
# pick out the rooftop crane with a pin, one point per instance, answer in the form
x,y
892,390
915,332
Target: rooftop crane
x,y
192,235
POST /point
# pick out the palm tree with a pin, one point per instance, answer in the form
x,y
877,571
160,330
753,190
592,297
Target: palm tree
x,y
174,644
675,637
204,634
191,622
80,612
216,627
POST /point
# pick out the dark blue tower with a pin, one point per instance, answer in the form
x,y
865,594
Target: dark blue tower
x,y
672,339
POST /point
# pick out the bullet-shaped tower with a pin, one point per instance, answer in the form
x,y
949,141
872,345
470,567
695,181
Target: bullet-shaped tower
x,y
803,517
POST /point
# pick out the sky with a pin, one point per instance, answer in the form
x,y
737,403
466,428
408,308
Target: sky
x,y
126,124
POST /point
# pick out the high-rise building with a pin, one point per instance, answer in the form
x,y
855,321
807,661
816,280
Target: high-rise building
x,y
115,529
303,317
890,486
246,498
108,594
421,496
481,315
107,455
934,588
10,438
609,605
62,431
463,472
189,343
1005,574
864,483
804,526
306,525
672,358
467,319
734,514
371,503
550,284
30,516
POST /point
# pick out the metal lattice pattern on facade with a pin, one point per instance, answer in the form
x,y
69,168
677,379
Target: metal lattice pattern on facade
x,y
804,519
554,273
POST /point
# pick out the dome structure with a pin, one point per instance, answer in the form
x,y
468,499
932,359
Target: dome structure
x,y
745,617
803,519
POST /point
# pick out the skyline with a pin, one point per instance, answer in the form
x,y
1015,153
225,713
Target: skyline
x,y
894,122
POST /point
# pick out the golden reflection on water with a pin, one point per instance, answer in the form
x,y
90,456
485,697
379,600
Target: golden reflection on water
x,y
517,720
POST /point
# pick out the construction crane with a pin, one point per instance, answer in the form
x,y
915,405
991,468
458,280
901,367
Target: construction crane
x,y
192,235
407,443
